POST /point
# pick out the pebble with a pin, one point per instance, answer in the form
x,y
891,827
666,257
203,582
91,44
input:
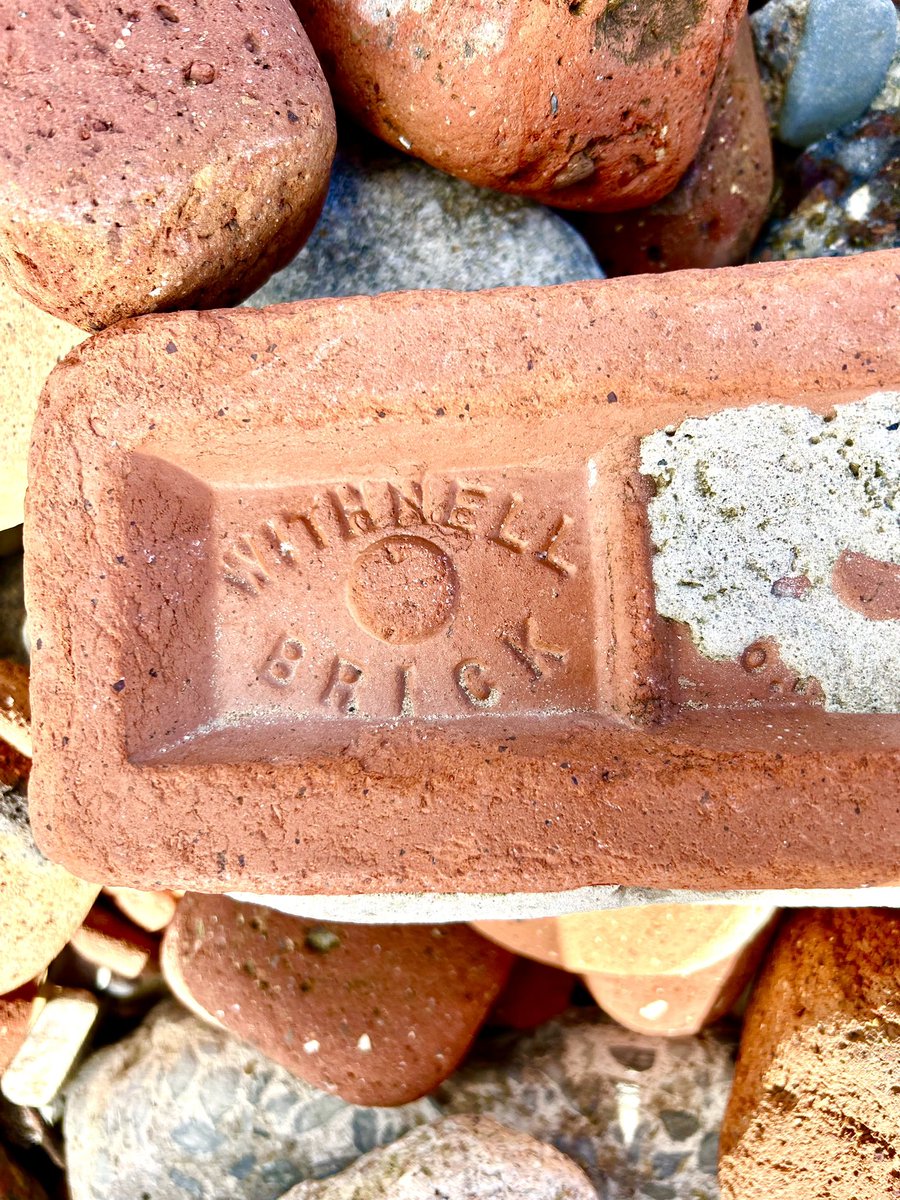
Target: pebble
x,y
823,62
658,938
843,193
170,156
677,1005
55,1042
713,216
31,343
640,1115
393,224
459,1158
377,1014
815,1110
181,1111
15,709
663,969
584,105
107,940
41,904
150,910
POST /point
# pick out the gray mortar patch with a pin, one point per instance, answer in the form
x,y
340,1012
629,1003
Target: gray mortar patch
x,y
748,497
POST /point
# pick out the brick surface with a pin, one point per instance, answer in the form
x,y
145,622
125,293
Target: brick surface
x,y
358,595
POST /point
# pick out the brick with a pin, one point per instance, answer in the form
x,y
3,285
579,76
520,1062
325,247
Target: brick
x,y
817,1069
263,662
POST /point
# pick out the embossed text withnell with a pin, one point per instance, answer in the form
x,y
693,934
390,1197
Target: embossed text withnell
x,y
437,595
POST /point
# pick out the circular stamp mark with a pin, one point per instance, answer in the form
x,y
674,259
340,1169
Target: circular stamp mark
x,y
402,589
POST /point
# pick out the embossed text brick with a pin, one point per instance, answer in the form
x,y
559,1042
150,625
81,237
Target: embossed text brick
x,y
401,593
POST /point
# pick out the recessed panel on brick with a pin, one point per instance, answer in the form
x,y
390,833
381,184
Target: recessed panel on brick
x,y
441,595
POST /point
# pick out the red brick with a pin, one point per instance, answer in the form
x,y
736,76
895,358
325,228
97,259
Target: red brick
x,y
199,716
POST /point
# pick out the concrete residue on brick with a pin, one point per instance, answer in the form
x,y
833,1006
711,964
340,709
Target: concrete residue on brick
x,y
747,499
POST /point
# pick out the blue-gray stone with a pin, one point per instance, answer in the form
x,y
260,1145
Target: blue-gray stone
x,y
181,1111
843,57
391,224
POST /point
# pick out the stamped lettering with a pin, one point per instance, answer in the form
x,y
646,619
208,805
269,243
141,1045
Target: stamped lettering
x,y
281,666
472,678
409,598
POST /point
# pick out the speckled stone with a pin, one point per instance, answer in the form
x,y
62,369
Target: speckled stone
x,y
180,1111
842,196
640,1115
460,1158
823,62
393,224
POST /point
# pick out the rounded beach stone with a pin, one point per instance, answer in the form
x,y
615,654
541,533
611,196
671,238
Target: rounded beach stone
x,y
375,1014
150,910
640,1115
679,1004
817,1070
823,62
41,904
156,157
31,343
109,940
459,1158
712,218
392,224
15,708
653,939
180,1111
611,99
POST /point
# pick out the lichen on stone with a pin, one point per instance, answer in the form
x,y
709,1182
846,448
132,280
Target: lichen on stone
x,y
748,498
